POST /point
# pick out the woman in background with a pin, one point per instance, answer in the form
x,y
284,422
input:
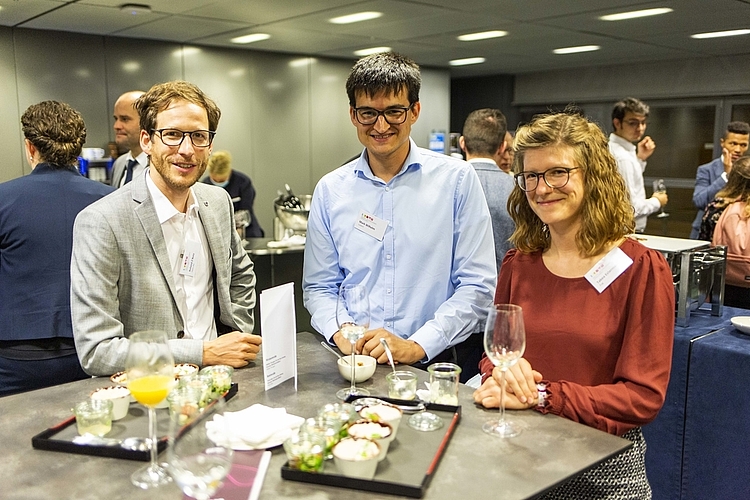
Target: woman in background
x,y
726,221
598,306
36,236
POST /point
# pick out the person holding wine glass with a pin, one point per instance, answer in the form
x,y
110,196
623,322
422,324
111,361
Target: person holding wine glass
x,y
598,306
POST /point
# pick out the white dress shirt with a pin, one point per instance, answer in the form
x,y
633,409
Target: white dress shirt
x,y
631,168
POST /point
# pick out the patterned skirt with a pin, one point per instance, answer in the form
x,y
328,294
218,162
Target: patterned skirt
x,y
620,478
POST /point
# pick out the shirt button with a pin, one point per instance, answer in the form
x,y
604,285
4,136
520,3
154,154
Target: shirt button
x,y
387,188
388,257
388,323
389,291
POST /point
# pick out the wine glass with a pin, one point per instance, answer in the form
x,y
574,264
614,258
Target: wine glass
x,y
199,453
353,318
150,369
504,343
660,187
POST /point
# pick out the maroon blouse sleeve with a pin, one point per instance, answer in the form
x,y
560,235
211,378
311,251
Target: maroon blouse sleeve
x,y
642,371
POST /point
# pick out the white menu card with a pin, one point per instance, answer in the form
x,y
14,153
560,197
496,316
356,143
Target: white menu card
x,y
279,328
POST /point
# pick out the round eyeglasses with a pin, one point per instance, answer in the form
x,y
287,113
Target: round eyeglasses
x,y
392,116
555,177
174,137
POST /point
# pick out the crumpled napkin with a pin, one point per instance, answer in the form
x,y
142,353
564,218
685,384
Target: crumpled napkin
x,y
291,241
255,428
430,395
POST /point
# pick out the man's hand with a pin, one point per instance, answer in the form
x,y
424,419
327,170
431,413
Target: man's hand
x,y
662,197
726,159
404,351
645,148
235,349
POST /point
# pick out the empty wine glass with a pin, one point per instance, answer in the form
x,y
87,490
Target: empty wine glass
x,y
199,453
504,343
353,319
660,187
150,368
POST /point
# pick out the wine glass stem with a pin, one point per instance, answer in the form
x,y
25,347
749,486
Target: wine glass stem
x,y
152,434
501,422
352,389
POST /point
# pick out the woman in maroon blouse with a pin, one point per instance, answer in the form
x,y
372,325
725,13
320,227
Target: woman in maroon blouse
x,y
598,306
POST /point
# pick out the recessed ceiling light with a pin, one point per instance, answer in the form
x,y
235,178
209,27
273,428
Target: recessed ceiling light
x,y
355,18
254,37
371,51
719,34
575,50
135,8
471,37
635,14
186,51
467,61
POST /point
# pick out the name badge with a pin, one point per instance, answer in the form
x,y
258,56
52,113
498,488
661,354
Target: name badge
x,y
371,225
190,258
608,269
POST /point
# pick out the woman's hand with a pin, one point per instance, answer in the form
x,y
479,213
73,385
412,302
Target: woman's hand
x,y
520,388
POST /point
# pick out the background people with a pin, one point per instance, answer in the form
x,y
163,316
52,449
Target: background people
x,y
506,160
36,229
238,185
631,150
483,141
713,176
128,138
572,216
163,253
422,244
727,222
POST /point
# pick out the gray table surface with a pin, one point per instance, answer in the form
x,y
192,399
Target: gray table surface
x,y
550,450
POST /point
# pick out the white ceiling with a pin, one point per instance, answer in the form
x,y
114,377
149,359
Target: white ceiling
x,y
424,30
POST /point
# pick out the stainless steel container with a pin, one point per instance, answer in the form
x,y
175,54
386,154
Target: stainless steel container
x,y
698,273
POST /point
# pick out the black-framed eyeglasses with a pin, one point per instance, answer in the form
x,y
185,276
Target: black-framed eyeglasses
x,y
555,177
393,116
174,137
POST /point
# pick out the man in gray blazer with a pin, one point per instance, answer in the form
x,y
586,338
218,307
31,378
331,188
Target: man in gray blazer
x,y
162,253
483,141
128,137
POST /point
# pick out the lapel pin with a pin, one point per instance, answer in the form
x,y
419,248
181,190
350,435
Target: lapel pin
x,y
205,203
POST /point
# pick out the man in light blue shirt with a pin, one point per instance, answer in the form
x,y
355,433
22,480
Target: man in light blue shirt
x,y
411,225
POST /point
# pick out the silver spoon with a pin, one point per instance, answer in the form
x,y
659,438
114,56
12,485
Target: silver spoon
x,y
388,353
331,349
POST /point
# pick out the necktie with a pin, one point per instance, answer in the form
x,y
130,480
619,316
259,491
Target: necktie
x,y
129,171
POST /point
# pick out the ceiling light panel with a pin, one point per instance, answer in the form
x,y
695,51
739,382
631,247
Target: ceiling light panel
x,y
576,50
355,18
467,61
371,50
720,34
484,35
622,16
251,38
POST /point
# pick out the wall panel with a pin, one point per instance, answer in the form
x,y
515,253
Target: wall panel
x,y
11,138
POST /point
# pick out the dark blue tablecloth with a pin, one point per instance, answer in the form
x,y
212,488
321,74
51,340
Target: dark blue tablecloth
x,y
670,456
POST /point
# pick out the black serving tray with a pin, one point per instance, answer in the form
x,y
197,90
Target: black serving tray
x,y
409,466
60,437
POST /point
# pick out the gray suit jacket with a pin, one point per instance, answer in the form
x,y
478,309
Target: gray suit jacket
x,y
121,277
497,186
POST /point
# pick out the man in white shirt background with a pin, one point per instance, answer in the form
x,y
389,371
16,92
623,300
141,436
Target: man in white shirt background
x,y
128,138
631,150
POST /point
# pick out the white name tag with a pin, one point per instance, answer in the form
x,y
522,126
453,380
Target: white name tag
x,y
371,225
190,258
608,269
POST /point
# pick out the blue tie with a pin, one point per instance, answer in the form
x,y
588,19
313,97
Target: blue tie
x,y
129,171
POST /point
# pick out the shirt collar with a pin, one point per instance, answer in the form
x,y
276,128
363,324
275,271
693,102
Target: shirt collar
x,y
483,160
622,142
413,159
141,158
164,208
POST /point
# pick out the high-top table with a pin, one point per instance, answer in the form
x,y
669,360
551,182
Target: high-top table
x,y
549,451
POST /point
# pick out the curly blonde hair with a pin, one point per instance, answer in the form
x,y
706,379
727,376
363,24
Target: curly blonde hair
x,y
606,213
738,185
220,163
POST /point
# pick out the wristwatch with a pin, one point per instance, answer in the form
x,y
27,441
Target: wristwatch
x,y
542,401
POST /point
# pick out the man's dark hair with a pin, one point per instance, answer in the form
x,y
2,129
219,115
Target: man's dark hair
x,y
386,72
484,131
741,128
635,106
56,130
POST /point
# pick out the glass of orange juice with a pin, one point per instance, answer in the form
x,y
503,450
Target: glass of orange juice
x,y
150,374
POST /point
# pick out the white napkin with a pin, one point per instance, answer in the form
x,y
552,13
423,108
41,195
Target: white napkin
x,y
291,241
254,428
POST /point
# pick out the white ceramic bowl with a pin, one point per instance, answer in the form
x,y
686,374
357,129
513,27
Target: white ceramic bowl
x,y
352,462
383,413
742,323
120,397
380,432
363,369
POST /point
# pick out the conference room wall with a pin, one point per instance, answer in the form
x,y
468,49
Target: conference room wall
x,y
285,117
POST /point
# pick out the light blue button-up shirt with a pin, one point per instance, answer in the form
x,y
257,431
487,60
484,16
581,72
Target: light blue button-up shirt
x,y
432,277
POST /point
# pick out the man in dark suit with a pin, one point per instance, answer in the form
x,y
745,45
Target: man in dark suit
x,y
36,229
128,137
162,253
711,177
